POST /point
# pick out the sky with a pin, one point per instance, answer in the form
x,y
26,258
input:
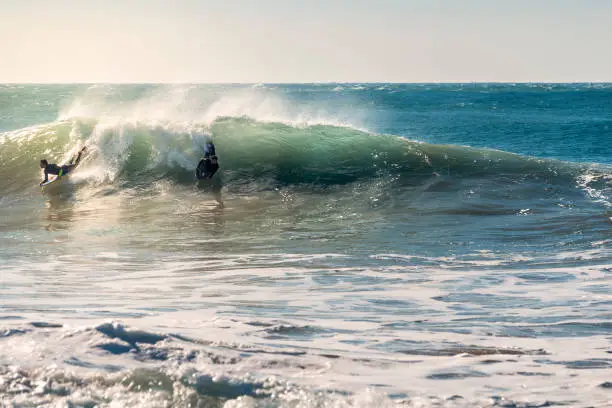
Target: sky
x,y
277,41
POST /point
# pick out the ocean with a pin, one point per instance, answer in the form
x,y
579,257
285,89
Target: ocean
x,y
362,245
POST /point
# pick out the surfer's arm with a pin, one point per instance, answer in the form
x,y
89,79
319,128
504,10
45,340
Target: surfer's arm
x,y
78,158
46,177
75,161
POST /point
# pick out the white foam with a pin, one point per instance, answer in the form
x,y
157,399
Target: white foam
x,y
599,195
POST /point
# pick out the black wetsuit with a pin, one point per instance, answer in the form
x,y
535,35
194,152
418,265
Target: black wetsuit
x,y
58,170
209,164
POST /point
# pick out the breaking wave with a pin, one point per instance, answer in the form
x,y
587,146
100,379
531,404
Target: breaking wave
x,y
268,154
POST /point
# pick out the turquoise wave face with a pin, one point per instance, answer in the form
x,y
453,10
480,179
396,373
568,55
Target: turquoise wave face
x,y
270,152
266,155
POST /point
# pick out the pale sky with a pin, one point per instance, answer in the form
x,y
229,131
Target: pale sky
x,y
305,41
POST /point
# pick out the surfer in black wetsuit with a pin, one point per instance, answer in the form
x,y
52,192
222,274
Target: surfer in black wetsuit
x,y
209,164
60,170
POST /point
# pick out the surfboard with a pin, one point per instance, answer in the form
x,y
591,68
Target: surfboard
x,y
50,181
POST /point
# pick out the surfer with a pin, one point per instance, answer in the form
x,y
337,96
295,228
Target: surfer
x,y
60,170
209,164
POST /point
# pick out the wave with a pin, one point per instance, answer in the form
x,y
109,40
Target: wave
x,y
268,154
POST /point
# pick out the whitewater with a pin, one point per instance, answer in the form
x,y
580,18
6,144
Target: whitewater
x,y
362,245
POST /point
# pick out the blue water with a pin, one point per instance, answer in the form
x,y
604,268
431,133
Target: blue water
x,y
361,245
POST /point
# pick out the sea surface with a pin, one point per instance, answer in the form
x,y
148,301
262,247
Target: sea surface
x,y
362,245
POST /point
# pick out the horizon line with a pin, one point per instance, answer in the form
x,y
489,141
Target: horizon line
x,y
301,83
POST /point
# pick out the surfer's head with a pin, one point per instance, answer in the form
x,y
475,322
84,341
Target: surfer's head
x,y
43,163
